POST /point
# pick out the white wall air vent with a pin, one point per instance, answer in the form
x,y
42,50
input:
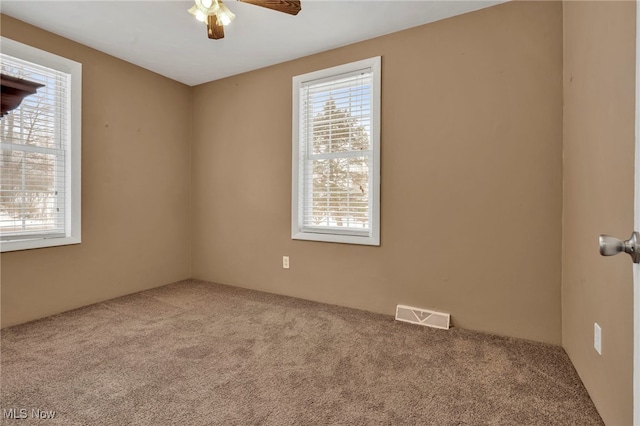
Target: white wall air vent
x,y
422,317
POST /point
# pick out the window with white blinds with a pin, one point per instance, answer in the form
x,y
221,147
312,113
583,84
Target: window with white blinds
x,y
40,152
336,154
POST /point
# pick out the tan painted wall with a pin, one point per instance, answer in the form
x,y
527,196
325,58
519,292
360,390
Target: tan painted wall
x,y
599,96
471,177
135,190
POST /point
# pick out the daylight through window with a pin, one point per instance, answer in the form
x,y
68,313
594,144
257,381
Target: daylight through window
x,y
39,185
336,154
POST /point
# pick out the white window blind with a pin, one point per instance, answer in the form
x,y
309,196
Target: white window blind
x,y
336,169
36,181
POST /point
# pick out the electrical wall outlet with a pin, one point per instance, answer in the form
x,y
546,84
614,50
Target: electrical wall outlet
x,y
285,262
597,338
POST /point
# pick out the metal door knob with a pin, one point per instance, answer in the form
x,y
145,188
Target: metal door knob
x,y
610,246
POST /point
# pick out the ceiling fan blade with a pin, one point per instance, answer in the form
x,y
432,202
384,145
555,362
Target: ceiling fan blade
x,y
214,30
292,7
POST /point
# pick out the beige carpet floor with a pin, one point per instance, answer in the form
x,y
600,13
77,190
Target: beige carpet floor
x,y
195,353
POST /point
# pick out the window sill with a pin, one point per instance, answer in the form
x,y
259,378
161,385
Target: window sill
x,y
333,238
17,245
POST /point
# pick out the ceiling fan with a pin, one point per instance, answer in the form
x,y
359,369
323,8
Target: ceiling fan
x,y
216,14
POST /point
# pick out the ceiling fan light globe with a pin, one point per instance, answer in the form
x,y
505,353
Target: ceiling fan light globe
x,y
225,16
208,7
223,20
200,16
194,11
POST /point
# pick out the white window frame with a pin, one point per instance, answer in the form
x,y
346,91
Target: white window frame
x,y
298,232
73,224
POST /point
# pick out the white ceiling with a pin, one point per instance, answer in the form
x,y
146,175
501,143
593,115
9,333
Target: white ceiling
x,y
161,36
